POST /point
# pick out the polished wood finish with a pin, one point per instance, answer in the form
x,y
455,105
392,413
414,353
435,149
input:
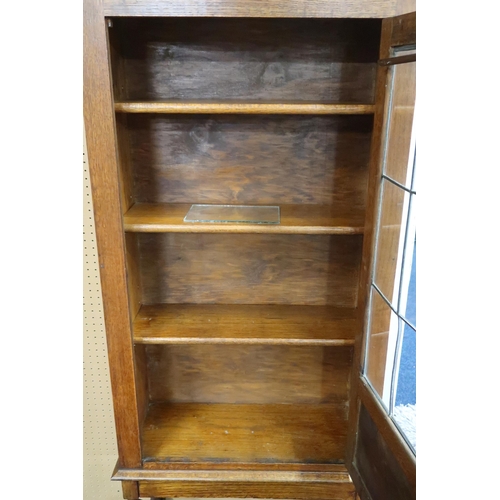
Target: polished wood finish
x,y
378,340
372,451
141,370
401,119
404,30
247,481
264,60
125,163
244,324
271,433
248,374
295,473
102,155
399,110
252,8
250,159
328,490
395,442
375,171
130,490
133,274
226,467
294,219
378,439
231,350
249,269
257,108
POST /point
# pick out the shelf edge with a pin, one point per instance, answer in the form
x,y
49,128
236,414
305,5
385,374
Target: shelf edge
x,y
231,476
243,341
243,108
239,228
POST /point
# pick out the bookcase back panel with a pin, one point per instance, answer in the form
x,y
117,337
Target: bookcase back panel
x,y
249,269
248,374
250,159
248,59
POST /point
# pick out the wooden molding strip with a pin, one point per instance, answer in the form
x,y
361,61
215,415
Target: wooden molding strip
x,y
231,476
251,8
103,165
295,219
243,108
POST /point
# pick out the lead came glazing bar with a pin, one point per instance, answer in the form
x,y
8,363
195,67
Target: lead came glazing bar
x,y
398,60
386,300
396,183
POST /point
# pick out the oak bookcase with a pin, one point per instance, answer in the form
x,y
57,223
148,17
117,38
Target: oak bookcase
x,y
234,347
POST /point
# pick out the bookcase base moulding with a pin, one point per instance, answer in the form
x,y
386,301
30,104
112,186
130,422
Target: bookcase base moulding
x,y
234,333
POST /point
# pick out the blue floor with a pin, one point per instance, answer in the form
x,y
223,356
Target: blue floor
x,y
406,392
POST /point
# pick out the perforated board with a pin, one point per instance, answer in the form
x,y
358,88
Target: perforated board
x,y
99,441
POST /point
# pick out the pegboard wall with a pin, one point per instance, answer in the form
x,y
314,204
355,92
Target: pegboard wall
x,y
99,441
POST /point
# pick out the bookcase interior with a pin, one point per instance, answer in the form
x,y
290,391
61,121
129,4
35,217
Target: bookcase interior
x,y
244,335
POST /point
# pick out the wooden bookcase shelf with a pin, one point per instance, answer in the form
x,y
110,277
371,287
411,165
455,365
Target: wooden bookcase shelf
x,y
258,108
244,332
244,324
245,433
234,343
295,219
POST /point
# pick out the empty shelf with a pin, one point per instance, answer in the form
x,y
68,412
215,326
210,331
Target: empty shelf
x,y
245,433
244,324
238,107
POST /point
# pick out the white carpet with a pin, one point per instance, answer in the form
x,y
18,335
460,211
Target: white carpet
x,y
406,417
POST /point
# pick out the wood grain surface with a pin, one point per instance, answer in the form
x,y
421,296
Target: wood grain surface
x,y
366,270
285,490
401,123
249,472
391,227
133,273
244,324
377,465
389,433
245,433
404,29
378,440
377,339
335,484
258,108
294,219
249,269
251,8
103,168
256,59
226,467
130,490
248,159
250,374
